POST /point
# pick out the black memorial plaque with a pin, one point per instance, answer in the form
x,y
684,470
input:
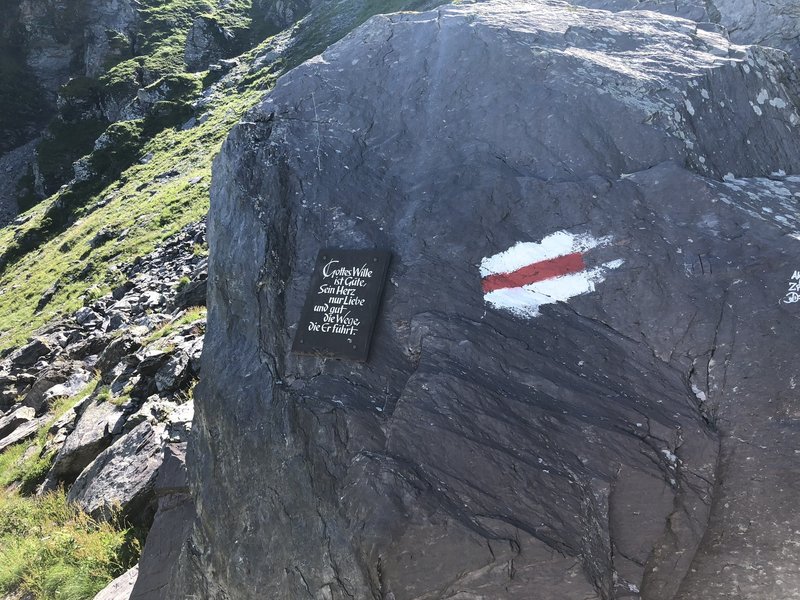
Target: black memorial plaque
x,y
342,304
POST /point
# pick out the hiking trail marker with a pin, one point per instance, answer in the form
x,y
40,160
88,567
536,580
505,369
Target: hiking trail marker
x,y
342,304
531,274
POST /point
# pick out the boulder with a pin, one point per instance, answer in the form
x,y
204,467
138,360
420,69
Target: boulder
x,y
113,355
76,382
58,374
24,431
61,428
81,347
93,432
152,359
87,317
173,374
151,300
558,398
123,477
30,353
14,419
192,294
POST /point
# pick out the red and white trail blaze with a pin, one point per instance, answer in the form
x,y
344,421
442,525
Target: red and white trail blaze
x,y
528,274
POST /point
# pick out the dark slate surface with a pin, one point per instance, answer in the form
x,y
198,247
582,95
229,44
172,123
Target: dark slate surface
x,y
170,527
636,441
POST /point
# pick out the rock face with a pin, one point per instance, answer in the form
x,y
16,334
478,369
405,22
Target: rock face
x,y
626,443
170,528
775,23
121,587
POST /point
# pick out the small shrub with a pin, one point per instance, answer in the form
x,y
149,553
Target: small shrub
x,y
182,283
104,394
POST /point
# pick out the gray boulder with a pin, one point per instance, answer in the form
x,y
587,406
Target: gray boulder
x,y
173,373
14,419
93,432
23,431
30,353
601,444
56,375
123,477
113,355
192,294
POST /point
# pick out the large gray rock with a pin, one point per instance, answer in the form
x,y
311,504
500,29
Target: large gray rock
x,y
24,431
633,441
123,477
58,374
98,422
15,418
31,352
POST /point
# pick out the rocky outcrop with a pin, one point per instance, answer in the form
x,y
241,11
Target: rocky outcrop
x,y
775,23
63,40
170,527
122,477
601,446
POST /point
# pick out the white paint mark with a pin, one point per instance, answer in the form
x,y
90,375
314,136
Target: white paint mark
x,y
556,244
524,300
689,107
762,97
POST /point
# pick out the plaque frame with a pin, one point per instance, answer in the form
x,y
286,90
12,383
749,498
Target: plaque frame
x,y
324,344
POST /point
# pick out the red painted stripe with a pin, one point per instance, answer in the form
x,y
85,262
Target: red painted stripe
x,y
546,269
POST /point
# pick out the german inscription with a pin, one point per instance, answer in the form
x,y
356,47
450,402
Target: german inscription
x,y
342,304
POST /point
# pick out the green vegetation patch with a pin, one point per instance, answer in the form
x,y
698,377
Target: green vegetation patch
x,y
52,549
146,203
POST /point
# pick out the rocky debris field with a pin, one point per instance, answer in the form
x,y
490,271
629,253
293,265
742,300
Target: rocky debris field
x,y
103,398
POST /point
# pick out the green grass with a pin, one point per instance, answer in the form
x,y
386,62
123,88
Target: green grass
x,y
189,316
51,549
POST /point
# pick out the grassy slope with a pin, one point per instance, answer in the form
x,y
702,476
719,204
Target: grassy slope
x,y
149,208
51,549
143,202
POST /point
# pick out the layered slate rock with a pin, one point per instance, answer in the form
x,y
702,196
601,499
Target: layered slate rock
x,y
170,528
605,446
121,587
123,476
775,23
98,422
